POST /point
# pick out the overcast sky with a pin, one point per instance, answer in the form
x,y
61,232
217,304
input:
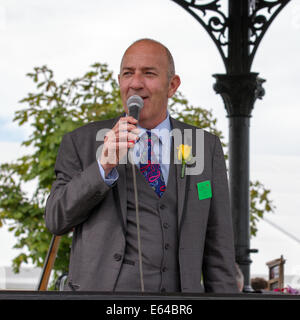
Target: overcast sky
x,y
68,36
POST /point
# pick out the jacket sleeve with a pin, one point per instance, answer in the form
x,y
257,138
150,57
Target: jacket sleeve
x,y
75,191
219,273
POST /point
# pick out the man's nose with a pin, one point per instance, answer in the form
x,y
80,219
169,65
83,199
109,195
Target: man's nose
x,y
137,82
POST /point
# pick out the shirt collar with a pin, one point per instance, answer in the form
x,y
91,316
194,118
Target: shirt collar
x,y
162,129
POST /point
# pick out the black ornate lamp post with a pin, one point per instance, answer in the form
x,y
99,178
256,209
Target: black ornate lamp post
x,y
237,36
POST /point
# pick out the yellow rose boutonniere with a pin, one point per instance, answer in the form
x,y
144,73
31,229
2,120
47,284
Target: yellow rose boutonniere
x,y
184,155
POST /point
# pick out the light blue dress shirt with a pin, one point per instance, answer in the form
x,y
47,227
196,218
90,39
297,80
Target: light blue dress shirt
x,y
161,151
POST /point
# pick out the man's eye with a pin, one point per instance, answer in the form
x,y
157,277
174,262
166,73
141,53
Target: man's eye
x,y
127,73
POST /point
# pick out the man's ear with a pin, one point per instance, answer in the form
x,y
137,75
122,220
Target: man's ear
x,y
173,85
119,79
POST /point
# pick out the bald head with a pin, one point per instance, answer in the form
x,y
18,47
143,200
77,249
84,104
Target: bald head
x,y
165,51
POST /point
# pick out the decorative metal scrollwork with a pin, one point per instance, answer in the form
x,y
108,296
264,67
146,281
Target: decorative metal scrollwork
x,y
210,15
262,13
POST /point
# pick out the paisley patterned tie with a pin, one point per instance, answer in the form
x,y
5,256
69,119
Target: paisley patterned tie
x,y
149,166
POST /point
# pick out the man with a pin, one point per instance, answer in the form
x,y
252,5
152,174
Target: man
x,y
186,235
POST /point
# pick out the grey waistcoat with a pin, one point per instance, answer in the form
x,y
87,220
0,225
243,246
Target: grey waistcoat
x,y
159,238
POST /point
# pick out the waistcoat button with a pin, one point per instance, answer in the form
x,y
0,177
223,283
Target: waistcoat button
x,y
117,257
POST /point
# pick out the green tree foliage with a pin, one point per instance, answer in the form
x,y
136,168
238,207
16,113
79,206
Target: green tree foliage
x,y
53,110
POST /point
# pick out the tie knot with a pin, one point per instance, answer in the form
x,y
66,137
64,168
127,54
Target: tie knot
x,y
152,136
149,141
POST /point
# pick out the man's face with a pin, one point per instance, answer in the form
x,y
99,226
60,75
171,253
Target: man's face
x,y
144,72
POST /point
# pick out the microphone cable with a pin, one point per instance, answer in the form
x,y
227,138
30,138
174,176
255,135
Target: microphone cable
x,y
137,219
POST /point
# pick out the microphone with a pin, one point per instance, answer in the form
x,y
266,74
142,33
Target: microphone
x,y
135,104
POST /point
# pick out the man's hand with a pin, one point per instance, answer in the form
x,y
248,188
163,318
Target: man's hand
x,y
117,142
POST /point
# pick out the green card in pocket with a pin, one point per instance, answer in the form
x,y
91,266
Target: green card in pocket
x,y
204,190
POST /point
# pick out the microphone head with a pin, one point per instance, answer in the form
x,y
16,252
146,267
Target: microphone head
x,y
135,104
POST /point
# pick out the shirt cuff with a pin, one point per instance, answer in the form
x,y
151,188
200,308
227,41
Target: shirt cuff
x,y
112,176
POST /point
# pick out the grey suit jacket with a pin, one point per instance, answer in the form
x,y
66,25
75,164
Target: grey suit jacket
x,y
80,200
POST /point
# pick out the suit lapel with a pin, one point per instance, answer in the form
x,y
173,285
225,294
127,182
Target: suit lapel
x,y
120,189
181,193
182,183
122,193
